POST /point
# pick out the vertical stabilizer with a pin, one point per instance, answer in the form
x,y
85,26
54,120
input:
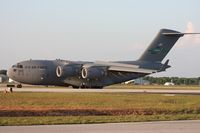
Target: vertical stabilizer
x,y
161,45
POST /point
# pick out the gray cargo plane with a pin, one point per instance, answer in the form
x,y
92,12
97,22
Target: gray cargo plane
x,y
80,74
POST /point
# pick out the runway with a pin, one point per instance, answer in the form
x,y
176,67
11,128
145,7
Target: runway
x,y
149,91
137,127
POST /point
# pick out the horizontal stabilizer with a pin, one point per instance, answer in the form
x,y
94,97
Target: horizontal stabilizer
x,y
164,66
161,45
179,34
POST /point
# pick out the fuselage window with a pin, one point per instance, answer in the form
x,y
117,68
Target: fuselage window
x,y
42,67
33,67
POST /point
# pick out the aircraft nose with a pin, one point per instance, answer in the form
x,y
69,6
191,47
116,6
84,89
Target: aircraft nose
x,y
9,73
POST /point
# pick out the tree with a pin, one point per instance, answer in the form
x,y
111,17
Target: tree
x,y
4,72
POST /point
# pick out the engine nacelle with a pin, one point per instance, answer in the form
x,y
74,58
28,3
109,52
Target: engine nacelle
x,y
93,72
67,71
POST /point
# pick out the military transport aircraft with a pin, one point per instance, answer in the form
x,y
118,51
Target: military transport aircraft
x,y
80,74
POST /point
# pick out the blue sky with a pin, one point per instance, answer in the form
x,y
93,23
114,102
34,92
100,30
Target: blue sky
x,y
97,30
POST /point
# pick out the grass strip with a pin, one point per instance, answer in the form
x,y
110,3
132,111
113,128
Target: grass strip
x,y
52,120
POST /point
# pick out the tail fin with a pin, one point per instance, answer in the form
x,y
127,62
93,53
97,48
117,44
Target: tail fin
x,y
161,45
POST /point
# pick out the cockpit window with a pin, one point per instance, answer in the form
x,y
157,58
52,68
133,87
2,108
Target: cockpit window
x,y
14,66
19,66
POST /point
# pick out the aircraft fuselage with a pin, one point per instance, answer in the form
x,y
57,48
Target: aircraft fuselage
x,y
96,74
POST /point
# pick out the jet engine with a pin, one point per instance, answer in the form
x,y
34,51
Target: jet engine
x,y
67,71
93,72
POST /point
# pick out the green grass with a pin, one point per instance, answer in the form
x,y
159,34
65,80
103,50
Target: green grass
x,y
160,87
99,101
162,107
50,120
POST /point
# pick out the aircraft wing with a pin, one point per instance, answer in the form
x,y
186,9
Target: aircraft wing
x,y
112,66
130,69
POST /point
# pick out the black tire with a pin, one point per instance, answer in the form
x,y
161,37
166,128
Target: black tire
x,y
75,87
19,86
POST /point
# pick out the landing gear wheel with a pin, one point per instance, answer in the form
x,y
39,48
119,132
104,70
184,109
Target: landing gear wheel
x,y
19,86
75,87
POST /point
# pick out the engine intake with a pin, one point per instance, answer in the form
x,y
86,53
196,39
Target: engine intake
x,y
93,72
67,71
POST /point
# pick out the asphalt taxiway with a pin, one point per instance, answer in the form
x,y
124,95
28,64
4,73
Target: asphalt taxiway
x,y
137,127
149,91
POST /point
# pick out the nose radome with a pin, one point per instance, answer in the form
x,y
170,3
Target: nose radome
x,y
9,73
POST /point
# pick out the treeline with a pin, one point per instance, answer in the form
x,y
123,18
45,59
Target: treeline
x,y
4,72
175,80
